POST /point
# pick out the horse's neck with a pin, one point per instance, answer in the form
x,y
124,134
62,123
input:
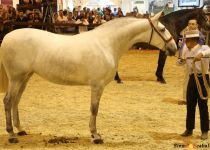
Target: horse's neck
x,y
123,37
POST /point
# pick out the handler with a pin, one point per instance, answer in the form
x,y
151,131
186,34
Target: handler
x,y
196,51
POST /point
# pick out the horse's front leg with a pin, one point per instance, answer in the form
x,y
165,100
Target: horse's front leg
x,y
96,92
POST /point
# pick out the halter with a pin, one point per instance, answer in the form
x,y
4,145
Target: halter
x,y
153,28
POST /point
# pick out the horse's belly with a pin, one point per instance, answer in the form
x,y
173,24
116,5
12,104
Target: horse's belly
x,y
65,80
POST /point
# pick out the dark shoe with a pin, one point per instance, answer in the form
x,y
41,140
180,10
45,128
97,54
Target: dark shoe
x,y
161,80
204,136
187,133
182,102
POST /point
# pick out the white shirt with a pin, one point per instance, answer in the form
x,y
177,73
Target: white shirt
x,y
190,54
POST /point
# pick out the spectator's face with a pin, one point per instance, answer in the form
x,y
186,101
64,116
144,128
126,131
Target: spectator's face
x,y
70,14
192,24
61,13
21,14
30,16
107,12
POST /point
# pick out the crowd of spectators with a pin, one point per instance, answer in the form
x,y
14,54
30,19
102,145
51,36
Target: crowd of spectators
x,y
34,14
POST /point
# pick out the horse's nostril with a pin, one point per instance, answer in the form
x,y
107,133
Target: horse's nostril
x,y
170,52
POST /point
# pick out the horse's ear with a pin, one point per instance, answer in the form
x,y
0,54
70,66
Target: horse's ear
x,y
157,16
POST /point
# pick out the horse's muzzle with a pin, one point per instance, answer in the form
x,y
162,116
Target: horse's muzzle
x,y
171,49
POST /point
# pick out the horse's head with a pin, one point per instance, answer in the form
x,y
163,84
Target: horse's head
x,y
161,37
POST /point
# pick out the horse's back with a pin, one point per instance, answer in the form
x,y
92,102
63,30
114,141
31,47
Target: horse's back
x,y
26,35
57,58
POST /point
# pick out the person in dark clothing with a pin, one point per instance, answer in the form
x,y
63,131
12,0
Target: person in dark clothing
x,y
21,18
161,63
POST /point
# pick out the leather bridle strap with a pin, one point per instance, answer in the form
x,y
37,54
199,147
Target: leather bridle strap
x,y
153,28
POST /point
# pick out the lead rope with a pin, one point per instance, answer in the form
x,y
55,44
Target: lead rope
x,y
198,83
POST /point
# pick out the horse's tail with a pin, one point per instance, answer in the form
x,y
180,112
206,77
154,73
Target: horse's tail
x,y
3,78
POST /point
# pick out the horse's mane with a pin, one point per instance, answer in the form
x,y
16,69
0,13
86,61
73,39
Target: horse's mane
x,y
176,21
118,22
180,13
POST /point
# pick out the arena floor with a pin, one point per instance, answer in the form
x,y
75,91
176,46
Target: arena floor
x,y
139,114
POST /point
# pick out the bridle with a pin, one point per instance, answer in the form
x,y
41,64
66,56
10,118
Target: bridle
x,y
153,28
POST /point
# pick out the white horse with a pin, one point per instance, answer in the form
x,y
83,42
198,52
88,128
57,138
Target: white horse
x,y
89,58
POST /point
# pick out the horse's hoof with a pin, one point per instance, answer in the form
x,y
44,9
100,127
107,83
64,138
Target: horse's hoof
x,y
21,133
13,140
98,141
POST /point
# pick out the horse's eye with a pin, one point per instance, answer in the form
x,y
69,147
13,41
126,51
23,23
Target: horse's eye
x,y
163,29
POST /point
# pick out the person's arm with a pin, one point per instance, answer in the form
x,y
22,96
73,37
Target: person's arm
x,y
204,53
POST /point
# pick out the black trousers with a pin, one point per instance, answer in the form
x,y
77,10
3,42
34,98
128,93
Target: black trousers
x,y
161,63
192,99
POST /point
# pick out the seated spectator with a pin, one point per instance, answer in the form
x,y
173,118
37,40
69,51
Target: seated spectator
x,y
11,13
75,14
25,2
119,13
4,19
115,13
37,11
65,13
83,23
30,20
21,17
70,18
107,17
37,18
55,18
98,20
100,12
91,17
71,29
61,17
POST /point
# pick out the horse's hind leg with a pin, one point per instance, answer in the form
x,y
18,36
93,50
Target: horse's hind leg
x,y
96,92
16,119
11,100
8,103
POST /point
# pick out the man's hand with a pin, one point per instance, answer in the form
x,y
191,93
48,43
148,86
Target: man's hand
x,y
198,57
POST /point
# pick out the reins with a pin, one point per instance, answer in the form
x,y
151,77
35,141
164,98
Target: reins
x,y
198,83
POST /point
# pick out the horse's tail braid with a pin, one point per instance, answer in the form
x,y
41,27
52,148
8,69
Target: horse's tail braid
x,y
3,78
